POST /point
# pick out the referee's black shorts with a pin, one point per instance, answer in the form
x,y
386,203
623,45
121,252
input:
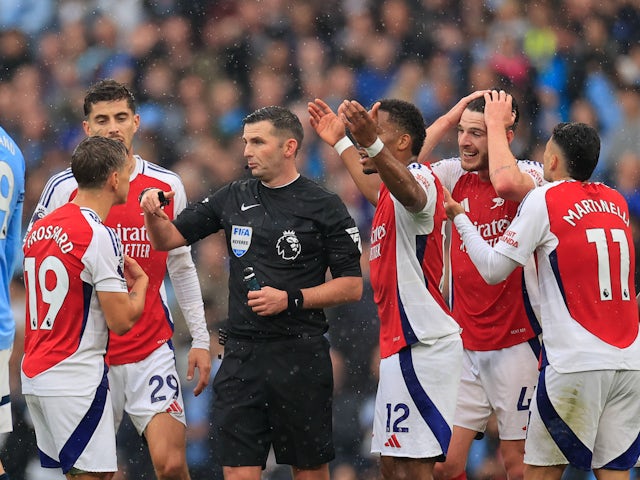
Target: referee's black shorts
x,y
274,393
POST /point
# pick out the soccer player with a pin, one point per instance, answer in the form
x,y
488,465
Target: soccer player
x,y
274,386
586,409
12,170
142,375
420,344
499,328
78,286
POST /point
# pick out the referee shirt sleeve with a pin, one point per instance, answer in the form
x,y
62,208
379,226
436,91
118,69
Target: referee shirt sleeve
x,y
199,220
342,241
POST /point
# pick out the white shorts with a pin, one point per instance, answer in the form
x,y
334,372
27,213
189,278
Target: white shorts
x,y
146,388
588,419
75,432
416,400
6,424
501,381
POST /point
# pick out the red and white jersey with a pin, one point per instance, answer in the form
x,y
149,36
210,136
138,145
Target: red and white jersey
x,y
155,326
585,255
491,316
407,268
68,256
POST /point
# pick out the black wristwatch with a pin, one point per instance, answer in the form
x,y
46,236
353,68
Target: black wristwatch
x,y
164,201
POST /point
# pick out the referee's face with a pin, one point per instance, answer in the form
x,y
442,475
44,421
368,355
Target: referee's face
x,y
266,153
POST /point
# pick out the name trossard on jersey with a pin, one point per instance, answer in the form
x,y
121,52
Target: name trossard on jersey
x,y
68,256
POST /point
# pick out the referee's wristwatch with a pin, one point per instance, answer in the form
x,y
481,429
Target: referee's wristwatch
x,y
164,201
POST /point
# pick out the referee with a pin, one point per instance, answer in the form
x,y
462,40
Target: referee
x,y
290,231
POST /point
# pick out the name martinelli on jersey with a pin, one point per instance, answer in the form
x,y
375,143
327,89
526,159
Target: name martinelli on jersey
x,y
582,208
50,232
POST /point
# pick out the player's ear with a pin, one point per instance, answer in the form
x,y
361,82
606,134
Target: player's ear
x,y
510,134
404,142
113,180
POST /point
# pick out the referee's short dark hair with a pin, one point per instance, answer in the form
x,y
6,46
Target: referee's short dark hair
x,y
95,158
282,119
408,118
108,90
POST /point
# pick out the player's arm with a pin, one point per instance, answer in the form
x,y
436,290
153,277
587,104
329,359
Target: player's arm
x,y
444,124
332,131
163,234
395,175
122,309
493,266
186,286
508,180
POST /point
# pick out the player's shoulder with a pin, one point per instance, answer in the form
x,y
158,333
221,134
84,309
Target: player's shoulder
x,y
157,172
58,189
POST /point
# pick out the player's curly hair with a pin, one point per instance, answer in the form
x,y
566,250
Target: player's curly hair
x,y
408,118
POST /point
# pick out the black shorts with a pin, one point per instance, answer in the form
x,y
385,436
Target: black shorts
x,y
274,393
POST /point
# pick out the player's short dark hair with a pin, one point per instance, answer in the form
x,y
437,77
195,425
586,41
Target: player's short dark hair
x,y
282,119
408,119
580,145
108,90
95,158
478,104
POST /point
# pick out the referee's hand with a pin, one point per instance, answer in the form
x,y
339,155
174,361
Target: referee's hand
x,y
267,301
150,202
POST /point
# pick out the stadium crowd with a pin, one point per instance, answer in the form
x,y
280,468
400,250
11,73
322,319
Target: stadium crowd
x,y
198,67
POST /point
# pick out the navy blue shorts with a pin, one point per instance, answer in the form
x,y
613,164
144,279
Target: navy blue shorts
x,y
276,393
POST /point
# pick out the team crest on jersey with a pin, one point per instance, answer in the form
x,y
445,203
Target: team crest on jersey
x,y
288,245
240,239
497,202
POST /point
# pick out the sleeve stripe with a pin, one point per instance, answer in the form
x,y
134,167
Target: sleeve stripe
x,y
53,183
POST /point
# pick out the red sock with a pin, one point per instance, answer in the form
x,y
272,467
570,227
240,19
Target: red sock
x,y
462,476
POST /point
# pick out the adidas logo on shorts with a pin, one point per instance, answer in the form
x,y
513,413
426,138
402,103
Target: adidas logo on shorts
x,y
174,407
392,442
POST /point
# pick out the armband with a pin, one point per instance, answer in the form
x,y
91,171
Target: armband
x,y
294,300
342,144
375,148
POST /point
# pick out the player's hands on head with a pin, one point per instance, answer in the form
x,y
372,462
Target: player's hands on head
x,y
453,116
499,108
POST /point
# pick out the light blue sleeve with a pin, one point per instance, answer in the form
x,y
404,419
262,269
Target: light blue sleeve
x,y
12,184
